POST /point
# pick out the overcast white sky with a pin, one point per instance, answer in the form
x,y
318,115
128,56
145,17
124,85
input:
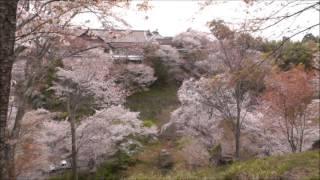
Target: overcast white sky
x,y
171,17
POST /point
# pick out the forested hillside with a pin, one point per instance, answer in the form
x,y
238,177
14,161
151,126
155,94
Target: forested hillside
x,y
120,103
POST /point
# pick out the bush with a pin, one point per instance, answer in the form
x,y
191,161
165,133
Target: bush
x,y
149,122
114,168
289,53
41,96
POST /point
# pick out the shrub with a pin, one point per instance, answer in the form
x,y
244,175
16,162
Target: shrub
x,y
149,122
114,167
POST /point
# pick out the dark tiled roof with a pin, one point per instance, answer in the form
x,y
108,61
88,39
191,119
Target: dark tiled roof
x,y
116,38
137,36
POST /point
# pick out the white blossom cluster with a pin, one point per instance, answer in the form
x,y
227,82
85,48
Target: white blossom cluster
x,y
98,137
192,39
260,132
134,77
194,117
102,134
92,74
36,148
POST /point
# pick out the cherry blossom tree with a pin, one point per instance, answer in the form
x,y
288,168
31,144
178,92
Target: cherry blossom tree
x,y
23,20
192,39
190,55
45,141
90,82
195,118
35,149
109,130
236,57
78,89
75,91
217,99
194,48
133,77
29,73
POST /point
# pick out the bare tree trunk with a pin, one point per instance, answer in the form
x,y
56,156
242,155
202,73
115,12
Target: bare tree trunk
x,y
7,40
238,95
291,140
237,134
293,147
237,140
303,126
73,141
14,137
74,149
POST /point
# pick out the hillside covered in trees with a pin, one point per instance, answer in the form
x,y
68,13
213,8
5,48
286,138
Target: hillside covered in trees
x,y
119,103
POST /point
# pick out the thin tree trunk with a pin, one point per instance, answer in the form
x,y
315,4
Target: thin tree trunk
x,y
73,141
14,137
74,150
8,10
292,141
237,138
302,129
238,123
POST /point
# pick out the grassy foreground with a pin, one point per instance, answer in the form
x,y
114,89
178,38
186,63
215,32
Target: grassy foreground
x,y
298,166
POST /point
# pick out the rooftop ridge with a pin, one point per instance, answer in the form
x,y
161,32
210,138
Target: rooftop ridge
x,y
104,29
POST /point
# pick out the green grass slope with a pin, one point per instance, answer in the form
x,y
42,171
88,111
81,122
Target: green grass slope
x,y
297,166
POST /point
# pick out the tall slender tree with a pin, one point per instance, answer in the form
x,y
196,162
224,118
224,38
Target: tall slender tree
x,y
236,56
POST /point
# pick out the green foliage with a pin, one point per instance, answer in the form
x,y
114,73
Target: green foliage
x,y
276,166
268,46
215,150
180,143
160,71
144,140
64,176
61,116
149,122
46,98
310,37
42,83
175,175
289,53
85,110
165,162
295,53
112,169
